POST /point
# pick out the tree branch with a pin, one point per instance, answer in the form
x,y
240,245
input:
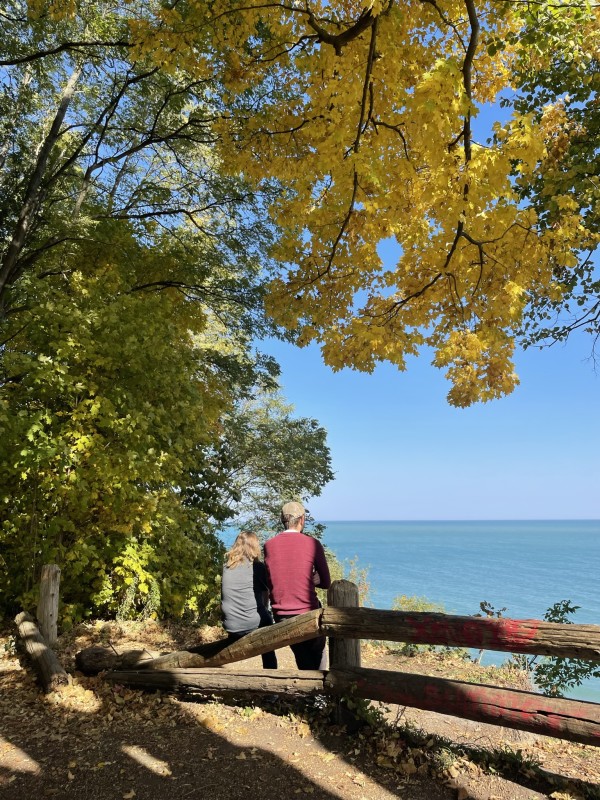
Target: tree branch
x,y
339,40
368,84
61,48
344,224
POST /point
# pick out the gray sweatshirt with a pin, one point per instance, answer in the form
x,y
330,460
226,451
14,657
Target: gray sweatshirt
x,y
242,590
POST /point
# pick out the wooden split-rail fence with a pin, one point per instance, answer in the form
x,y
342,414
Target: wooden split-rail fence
x,y
197,669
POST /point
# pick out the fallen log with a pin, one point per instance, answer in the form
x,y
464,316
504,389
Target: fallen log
x,y
574,720
215,681
262,640
93,660
96,659
423,627
47,666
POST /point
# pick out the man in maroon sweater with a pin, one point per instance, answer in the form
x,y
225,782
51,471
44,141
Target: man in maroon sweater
x,y
295,565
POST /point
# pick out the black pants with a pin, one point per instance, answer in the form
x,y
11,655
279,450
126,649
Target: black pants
x,y
307,654
269,660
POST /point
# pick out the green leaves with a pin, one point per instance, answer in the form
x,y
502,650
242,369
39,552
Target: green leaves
x,y
560,76
271,456
131,288
555,676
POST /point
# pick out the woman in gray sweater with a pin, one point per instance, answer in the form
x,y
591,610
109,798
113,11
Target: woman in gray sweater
x,y
245,593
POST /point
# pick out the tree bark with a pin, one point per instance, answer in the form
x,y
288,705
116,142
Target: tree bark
x,y
565,719
262,640
47,610
46,664
507,635
97,659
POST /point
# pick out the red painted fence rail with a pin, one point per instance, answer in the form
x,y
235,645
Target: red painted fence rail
x,y
531,636
567,719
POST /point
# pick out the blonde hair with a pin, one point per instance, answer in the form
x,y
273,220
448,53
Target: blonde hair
x,y
245,548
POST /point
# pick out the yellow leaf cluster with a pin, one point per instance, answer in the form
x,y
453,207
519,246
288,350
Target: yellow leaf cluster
x,y
362,111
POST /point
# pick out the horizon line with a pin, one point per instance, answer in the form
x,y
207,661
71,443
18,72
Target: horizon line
x,y
474,519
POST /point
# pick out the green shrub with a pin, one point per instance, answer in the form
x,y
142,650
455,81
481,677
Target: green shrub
x,y
416,603
348,570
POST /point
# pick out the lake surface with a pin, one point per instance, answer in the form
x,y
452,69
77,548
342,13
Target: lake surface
x,y
523,566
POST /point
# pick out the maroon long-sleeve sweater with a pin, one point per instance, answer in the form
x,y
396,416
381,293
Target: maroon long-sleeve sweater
x,y
292,558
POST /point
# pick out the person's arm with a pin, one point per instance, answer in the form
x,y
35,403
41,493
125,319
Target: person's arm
x,y
261,588
322,570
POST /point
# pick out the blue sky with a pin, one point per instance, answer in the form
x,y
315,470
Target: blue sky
x,y
400,451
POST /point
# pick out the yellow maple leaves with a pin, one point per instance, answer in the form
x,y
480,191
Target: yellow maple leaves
x,y
362,112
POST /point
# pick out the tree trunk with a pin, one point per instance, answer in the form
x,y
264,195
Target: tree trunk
x,y
565,719
9,268
262,640
508,635
45,662
47,610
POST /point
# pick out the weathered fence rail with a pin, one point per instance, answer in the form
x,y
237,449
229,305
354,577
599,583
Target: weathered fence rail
x,y
46,664
575,720
508,635
530,636
568,719
207,680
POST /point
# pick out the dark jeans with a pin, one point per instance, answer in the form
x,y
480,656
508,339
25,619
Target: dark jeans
x,y
307,654
269,660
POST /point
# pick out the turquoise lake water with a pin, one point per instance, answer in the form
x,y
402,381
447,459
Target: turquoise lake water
x,y
523,566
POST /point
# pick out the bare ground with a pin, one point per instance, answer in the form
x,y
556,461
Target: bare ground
x,y
100,742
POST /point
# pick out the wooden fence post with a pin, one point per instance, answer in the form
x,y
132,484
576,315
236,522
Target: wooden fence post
x,y
343,652
47,610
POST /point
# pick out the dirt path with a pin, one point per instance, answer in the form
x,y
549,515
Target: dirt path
x,y
101,742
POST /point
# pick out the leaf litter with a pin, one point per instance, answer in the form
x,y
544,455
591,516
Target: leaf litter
x,y
92,715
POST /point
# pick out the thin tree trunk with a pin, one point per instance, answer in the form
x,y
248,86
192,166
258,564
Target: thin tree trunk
x,y
4,149
9,267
